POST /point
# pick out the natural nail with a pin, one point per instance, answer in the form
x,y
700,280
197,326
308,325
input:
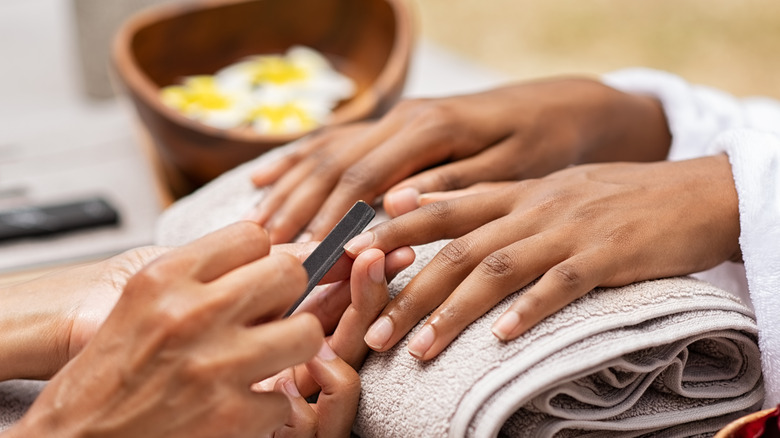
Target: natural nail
x,y
401,201
505,325
291,389
379,333
326,353
359,243
422,341
376,271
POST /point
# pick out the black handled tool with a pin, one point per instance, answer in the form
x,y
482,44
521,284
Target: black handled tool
x,y
331,248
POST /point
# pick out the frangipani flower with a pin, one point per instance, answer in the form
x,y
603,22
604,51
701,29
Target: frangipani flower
x,y
200,98
274,94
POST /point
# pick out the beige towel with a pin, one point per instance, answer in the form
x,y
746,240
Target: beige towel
x,y
672,357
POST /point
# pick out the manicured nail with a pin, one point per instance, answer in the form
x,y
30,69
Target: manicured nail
x,y
401,201
359,243
326,353
379,333
422,341
291,389
304,237
505,325
376,271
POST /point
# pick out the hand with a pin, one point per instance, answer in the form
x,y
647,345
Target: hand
x,y
576,229
509,133
177,355
50,319
336,407
346,309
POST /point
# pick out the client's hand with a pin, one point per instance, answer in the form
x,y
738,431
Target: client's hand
x,y
48,320
582,227
509,133
177,355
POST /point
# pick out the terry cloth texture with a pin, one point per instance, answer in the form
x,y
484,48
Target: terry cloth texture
x,y
673,357
706,121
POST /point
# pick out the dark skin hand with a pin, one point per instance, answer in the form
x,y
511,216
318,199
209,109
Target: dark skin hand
x,y
576,229
428,145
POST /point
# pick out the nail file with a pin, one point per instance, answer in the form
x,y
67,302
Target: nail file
x,y
331,248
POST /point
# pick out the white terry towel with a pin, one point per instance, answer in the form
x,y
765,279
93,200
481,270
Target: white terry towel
x,y
706,121
677,355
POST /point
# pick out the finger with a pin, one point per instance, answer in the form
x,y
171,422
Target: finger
x,y
281,189
431,197
328,302
259,414
440,220
369,296
268,173
219,252
489,164
264,350
262,290
301,192
376,172
440,278
302,421
561,285
498,275
301,250
338,400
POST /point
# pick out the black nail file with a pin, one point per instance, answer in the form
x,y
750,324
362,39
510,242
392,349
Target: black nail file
x,y
331,248
42,220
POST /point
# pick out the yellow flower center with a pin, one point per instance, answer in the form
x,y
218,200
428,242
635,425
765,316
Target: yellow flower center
x,y
198,93
277,116
275,69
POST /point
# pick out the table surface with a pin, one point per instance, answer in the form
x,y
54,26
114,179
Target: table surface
x,y
58,145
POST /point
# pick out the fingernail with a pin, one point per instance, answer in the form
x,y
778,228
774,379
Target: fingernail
x,y
376,271
401,201
505,325
359,243
379,333
422,341
326,353
291,389
304,237
254,215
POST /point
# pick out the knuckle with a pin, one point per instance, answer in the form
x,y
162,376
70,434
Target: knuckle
x,y
455,253
438,211
498,264
567,276
327,164
448,180
360,177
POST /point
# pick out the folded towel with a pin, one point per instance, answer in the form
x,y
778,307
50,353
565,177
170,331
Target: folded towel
x,y
706,121
675,355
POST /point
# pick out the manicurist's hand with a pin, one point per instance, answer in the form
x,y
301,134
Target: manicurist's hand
x,y
180,350
582,227
48,320
428,145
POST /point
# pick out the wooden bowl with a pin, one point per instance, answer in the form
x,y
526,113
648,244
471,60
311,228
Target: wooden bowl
x,y
368,40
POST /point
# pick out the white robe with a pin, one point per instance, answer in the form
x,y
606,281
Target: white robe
x,y
705,121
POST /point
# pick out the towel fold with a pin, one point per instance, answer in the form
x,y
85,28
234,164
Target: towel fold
x,y
671,357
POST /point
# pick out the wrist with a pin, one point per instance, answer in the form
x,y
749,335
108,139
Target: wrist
x,y
619,126
34,341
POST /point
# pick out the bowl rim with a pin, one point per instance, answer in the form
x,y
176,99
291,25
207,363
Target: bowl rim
x,y
359,107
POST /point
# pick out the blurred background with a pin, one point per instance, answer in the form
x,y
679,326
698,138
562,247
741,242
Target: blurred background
x,y
728,44
62,136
